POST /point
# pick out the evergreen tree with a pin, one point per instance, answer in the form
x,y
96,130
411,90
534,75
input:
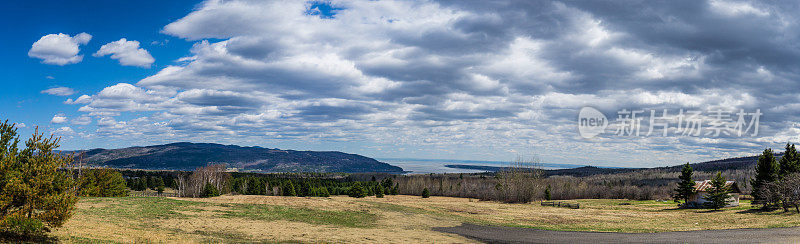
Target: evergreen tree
x,y
102,183
254,186
426,193
324,192
790,162
685,186
289,190
304,189
379,191
151,182
357,191
394,190
718,194
210,191
767,171
387,183
34,194
159,183
547,194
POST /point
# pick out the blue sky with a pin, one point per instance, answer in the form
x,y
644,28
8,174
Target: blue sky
x,y
24,22
425,79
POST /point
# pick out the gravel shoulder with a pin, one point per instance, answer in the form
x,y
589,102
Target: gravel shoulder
x,y
493,234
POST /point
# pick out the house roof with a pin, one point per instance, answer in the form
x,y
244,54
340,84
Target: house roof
x,y
705,185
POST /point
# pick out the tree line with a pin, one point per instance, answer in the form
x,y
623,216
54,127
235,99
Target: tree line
x,y
777,182
219,182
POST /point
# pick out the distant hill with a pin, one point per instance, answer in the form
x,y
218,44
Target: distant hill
x,y
745,163
188,156
748,162
579,171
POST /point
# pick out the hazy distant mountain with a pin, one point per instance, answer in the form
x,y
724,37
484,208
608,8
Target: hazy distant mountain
x,y
188,156
742,163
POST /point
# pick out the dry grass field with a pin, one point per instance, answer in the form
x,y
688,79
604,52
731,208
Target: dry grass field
x,y
394,219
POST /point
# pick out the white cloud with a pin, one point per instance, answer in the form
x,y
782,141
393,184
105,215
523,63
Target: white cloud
x,y
59,91
735,8
65,130
127,52
59,49
82,120
58,119
457,78
83,99
21,125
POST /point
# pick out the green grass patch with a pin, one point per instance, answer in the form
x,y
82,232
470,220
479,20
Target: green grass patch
x,y
346,218
140,207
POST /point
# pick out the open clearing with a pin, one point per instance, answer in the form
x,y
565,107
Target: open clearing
x,y
392,219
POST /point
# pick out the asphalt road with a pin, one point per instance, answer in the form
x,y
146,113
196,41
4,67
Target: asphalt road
x,y
491,234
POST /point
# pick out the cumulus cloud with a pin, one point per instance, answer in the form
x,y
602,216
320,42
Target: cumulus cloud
x,y
127,52
59,91
80,100
59,49
465,78
58,119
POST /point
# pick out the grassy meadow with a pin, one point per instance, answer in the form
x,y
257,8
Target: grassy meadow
x,y
391,219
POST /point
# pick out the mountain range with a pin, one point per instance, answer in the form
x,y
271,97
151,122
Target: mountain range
x,y
188,156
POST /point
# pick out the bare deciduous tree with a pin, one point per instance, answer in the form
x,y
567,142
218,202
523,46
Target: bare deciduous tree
x,y
214,174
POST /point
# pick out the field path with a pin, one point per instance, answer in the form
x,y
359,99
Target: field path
x,y
491,234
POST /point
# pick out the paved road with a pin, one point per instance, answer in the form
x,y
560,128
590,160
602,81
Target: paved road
x,y
490,234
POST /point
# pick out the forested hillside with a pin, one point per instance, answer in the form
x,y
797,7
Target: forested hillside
x,y
188,156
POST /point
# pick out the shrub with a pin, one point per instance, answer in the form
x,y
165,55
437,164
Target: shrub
x,y
516,184
426,193
19,225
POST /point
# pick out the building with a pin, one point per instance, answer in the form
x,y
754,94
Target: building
x,y
701,189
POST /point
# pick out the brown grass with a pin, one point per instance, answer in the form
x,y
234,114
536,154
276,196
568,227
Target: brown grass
x,y
399,219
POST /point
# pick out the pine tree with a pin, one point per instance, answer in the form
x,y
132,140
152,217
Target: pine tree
x,y
357,191
102,183
547,193
685,186
379,191
766,172
790,162
324,192
289,191
34,194
160,185
210,191
718,194
426,193
394,190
